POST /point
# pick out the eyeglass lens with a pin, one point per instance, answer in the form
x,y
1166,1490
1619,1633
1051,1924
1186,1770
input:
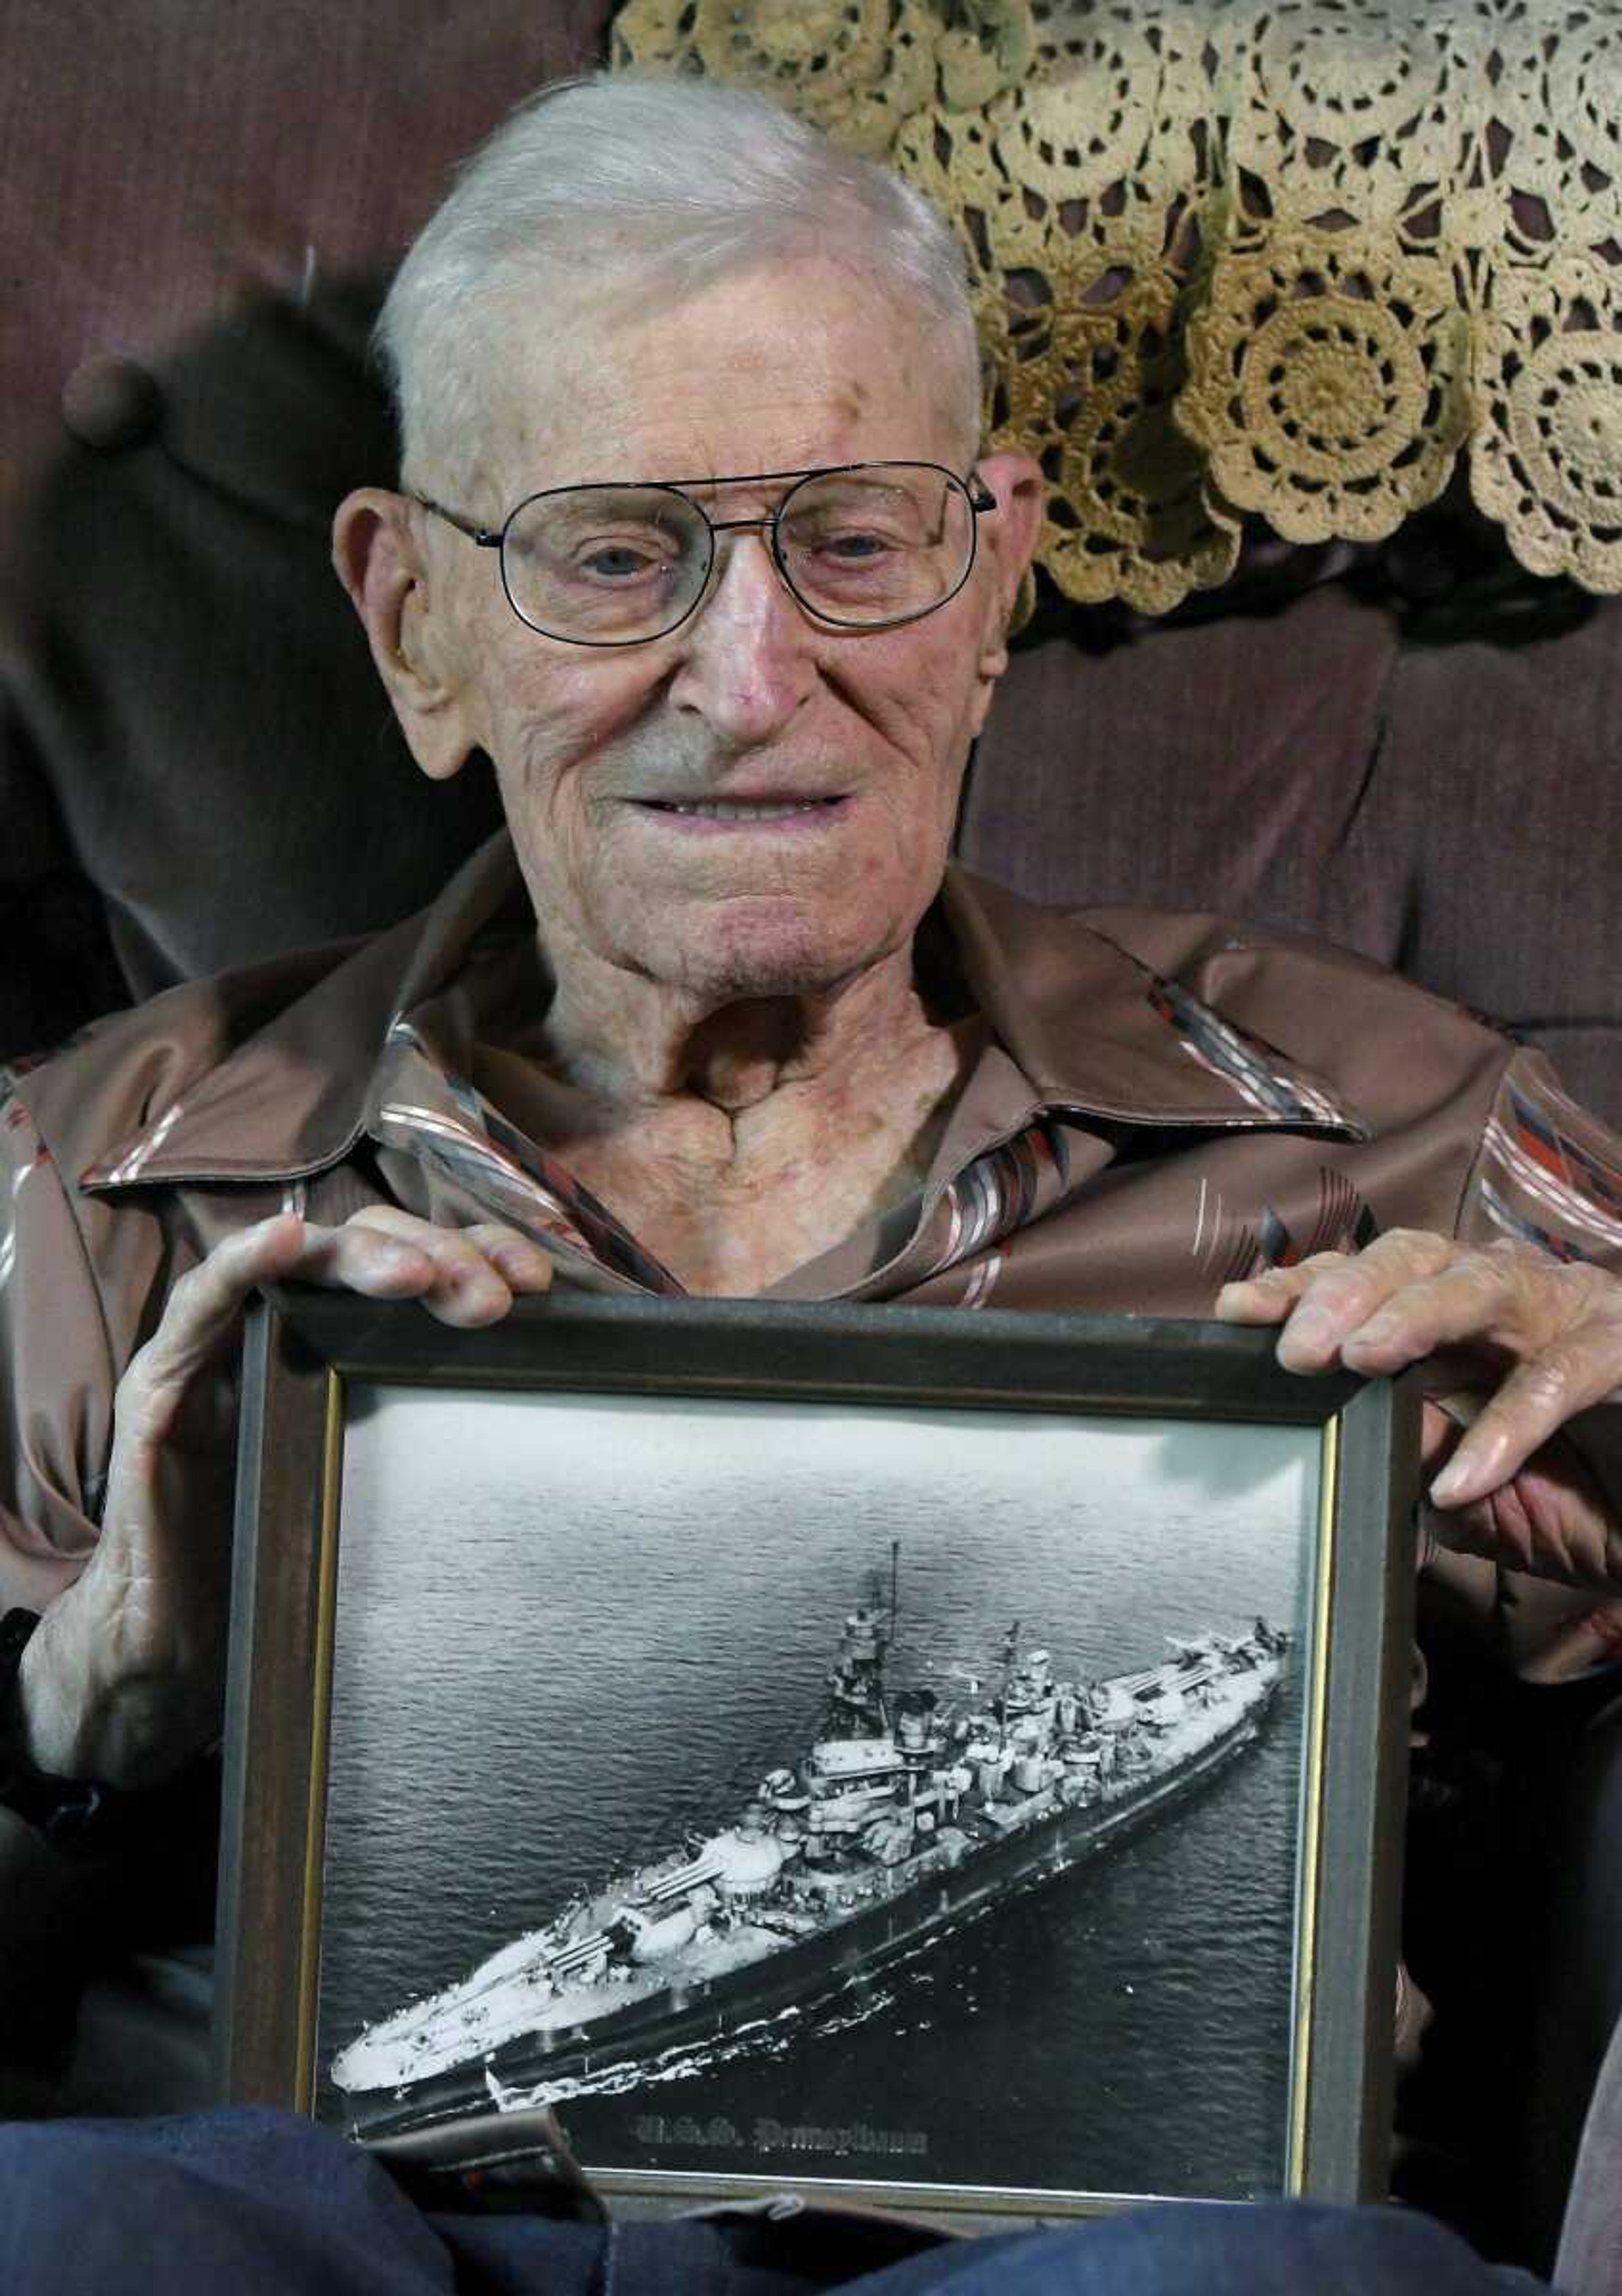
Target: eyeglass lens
x,y
608,565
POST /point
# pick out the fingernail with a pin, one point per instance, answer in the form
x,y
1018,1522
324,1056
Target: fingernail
x,y
1379,1329
1475,1468
1309,1341
1452,1483
1247,1293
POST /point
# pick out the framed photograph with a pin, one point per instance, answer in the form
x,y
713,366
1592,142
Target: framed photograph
x,y
940,1760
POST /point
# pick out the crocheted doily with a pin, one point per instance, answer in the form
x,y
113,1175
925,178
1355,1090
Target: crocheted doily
x,y
1279,257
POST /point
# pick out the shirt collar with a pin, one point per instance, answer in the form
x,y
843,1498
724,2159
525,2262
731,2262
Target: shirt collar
x,y
291,1100
1096,1033
1100,1034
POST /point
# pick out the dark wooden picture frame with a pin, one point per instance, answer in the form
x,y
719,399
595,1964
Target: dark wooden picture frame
x,y
311,1354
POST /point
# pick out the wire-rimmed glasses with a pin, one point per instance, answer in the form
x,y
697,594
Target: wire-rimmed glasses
x,y
861,545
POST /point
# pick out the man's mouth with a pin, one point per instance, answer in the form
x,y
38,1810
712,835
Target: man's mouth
x,y
739,808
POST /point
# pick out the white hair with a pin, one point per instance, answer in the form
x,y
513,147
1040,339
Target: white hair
x,y
628,191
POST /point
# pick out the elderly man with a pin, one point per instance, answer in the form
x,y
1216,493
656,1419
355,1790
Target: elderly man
x,y
694,543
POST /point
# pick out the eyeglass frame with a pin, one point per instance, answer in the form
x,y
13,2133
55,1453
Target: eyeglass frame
x,y
975,493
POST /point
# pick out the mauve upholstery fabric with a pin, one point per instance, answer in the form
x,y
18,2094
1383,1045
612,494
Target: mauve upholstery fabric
x,y
197,768
195,702
164,158
185,724
1232,752
1453,807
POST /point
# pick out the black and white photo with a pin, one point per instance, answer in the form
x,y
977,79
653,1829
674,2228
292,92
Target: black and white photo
x,y
767,1782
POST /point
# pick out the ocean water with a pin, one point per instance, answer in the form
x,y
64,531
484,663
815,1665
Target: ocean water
x,y
569,1630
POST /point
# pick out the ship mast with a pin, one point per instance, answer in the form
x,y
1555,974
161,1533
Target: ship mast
x,y
1011,1652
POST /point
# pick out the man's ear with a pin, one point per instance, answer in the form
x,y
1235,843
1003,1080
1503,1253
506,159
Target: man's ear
x,y
380,563
1010,534
1008,537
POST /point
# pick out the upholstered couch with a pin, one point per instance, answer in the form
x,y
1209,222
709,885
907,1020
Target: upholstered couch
x,y
1351,708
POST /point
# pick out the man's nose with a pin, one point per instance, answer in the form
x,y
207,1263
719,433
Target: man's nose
x,y
747,664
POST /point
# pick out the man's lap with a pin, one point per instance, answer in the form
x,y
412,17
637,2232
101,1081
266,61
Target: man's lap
x,y
266,2204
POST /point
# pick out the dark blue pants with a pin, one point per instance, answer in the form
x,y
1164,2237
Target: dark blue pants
x,y
262,2203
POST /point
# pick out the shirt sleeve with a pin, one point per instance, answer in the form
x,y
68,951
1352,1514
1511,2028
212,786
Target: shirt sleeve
x,y
56,1374
1548,1172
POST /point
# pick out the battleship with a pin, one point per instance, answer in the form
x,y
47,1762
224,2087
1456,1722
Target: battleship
x,y
909,1813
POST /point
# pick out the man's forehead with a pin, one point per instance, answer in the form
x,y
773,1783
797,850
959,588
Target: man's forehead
x,y
772,372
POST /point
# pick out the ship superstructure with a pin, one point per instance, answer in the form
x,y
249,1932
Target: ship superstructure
x,y
908,1812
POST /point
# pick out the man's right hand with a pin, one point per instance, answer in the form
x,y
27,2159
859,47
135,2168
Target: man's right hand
x,y
121,1681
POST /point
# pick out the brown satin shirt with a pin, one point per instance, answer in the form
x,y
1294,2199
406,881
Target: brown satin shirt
x,y
1155,1103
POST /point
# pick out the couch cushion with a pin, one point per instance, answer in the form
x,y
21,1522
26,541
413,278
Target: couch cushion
x,y
1499,786
1218,764
193,699
1452,808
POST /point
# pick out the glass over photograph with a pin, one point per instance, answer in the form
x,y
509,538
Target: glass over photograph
x,y
934,1820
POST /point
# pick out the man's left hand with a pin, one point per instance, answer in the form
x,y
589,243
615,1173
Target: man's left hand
x,y
1540,1338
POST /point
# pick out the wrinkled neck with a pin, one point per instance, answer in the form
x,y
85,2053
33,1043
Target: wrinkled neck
x,y
630,1044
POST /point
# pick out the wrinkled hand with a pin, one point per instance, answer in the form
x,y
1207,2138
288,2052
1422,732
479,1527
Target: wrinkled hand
x,y
122,1678
1541,1338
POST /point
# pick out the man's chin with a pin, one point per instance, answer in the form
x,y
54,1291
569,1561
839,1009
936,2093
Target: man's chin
x,y
741,958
